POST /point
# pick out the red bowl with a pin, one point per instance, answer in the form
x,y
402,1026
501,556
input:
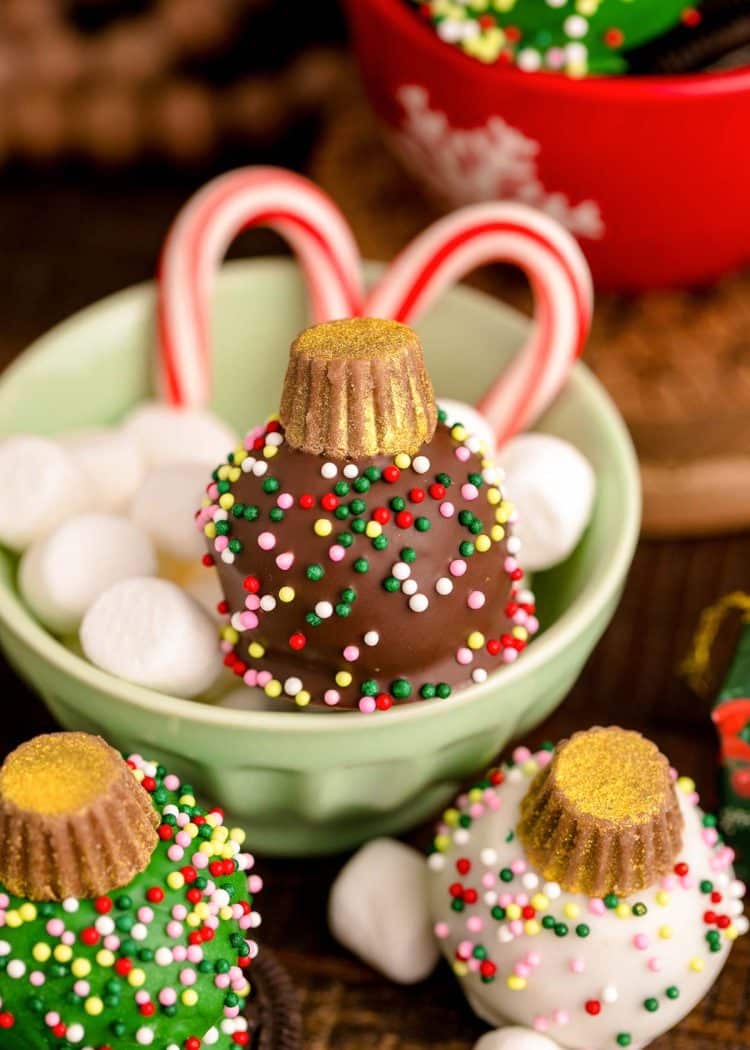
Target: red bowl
x,y
652,174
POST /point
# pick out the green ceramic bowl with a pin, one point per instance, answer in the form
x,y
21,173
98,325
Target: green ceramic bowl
x,y
305,783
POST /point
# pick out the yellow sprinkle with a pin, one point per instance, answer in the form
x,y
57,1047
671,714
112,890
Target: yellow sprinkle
x,y
442,843
41,952
235,474
94,1005
269,451
460,969
513,911
175,880
402,461
63,953
136,978
207,848
571,910
27,912
451,817
230,635
105,958
663,898
227,852
343,678
191,829
210,530
475,640
189,997
237,835
501,515
213,819
240,454
322,527
187,800
221,834
497,532
192,920
80,968
256,650
665,932
515,983
540,902
226,502
138,774
686,785
530,768
483,543
223,472
302,699
286,594
458,433
202,910
520,632
225,913
373,529
532,928
475,795
13,919
273,688
623,910
494,496
696,964
731,933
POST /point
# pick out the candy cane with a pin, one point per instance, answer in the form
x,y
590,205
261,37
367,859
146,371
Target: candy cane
x,y
559,275
198,241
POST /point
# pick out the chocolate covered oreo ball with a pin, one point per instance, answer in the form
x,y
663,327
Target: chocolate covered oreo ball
x,y
126,912
365,548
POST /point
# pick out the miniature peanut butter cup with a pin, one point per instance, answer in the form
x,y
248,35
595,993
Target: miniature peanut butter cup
x,y
603,817
73,820
357,388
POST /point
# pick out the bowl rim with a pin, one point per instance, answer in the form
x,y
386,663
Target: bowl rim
x,y
626,88
594,597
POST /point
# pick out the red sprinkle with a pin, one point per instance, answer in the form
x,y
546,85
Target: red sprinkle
x,y
155,895
382,515
416,495
306,501
297,641
404,519
103,905
329,501
383,702
391,475
251,584
463,866
437,491
593,1007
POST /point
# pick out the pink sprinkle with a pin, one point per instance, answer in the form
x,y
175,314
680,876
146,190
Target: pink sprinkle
x,y
521,755
457,567
367,705
577,965
231,1011
37,978
597,906
476,810
447,510
285,501
687,882
174,930
55,927
4,900
351,653
555,58
195,954
469,491
532,624
476,599
68,938
222,980
221,543
474,964
505,899
710,836
516,927
141,996
522,969
474,924
179,912
264,677
111,943
167,997
669,882
534,959
250,677
489,880
543,758
522,899
641,942
226,647
285,561
187,977
252,602
464,950
249,620
251,437
183,839
541,1024
337,552
183,819
213,491
82,988
179,953
518,866
510,564
654,964
145,915
175,852
462,453
331,697
51,1019
199,860
255,883
464,656
561,1017
266,541
510,656
442,930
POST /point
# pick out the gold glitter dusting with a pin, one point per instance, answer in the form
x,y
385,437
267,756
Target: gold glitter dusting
x,y
603,816
357,388
73,820
59,773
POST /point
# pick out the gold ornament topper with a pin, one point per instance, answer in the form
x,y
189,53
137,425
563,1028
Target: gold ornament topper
x,y
357,388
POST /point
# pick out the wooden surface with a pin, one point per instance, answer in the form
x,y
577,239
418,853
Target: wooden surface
x,y
65,245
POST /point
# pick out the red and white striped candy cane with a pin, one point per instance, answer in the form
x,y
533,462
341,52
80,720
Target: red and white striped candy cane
x,y
560,279
198,241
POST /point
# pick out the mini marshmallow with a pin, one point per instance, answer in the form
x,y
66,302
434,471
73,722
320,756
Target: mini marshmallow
x,y
112,462
391,931
64,573
150,632
515,1038
40,485
473,420
165,507
166,434
553,487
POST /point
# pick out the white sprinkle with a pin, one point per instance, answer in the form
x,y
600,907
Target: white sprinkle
x,y
419,603
552,890
436,862
324,610
75,1033
488,857
737,888
461,837
401,570
219,514
410,587
259,468
291,687
513,545
479,675
504,935
71,905
371,638
4,949
351,470
420,464
576,26
104,925
329,470
163,957
144,1037
490,898
742,924
529,60
274,438
227,557
248,464
16,969
609,994
211,1037
444,585
139,932
268,603
530,880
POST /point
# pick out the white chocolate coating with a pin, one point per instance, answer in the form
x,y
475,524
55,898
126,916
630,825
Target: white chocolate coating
x,y
586,987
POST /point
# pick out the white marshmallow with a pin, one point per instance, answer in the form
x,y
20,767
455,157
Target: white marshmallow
x,y
178,435
165,507
553,487
515,1038
40,486
470,418
391,931
111,460
152,633
64,573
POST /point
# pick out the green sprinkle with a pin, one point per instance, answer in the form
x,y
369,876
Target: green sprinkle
x,y
238,509
315,572
223,487
348,595
506,875
582,930
343,609
611,901
673,992
373,474
624,1039
457,904
443,690
398,503
361,565
235,546
358,525
358,506
271,485
341,488
251,512
476,527
640,909
498,913
476,479
707,886
561,930
549,922
465,517
391,584
313,619
361,484
380,542
222,528
442,415
480,952
444,479
652,1005
341,512
466,549
428,691
369,687
345,539
422,524
401,689
408,554
276,514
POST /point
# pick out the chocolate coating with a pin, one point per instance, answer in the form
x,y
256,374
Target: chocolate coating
x,y
426,643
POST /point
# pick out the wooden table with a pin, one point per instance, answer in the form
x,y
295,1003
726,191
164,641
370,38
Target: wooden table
x,y
65,245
